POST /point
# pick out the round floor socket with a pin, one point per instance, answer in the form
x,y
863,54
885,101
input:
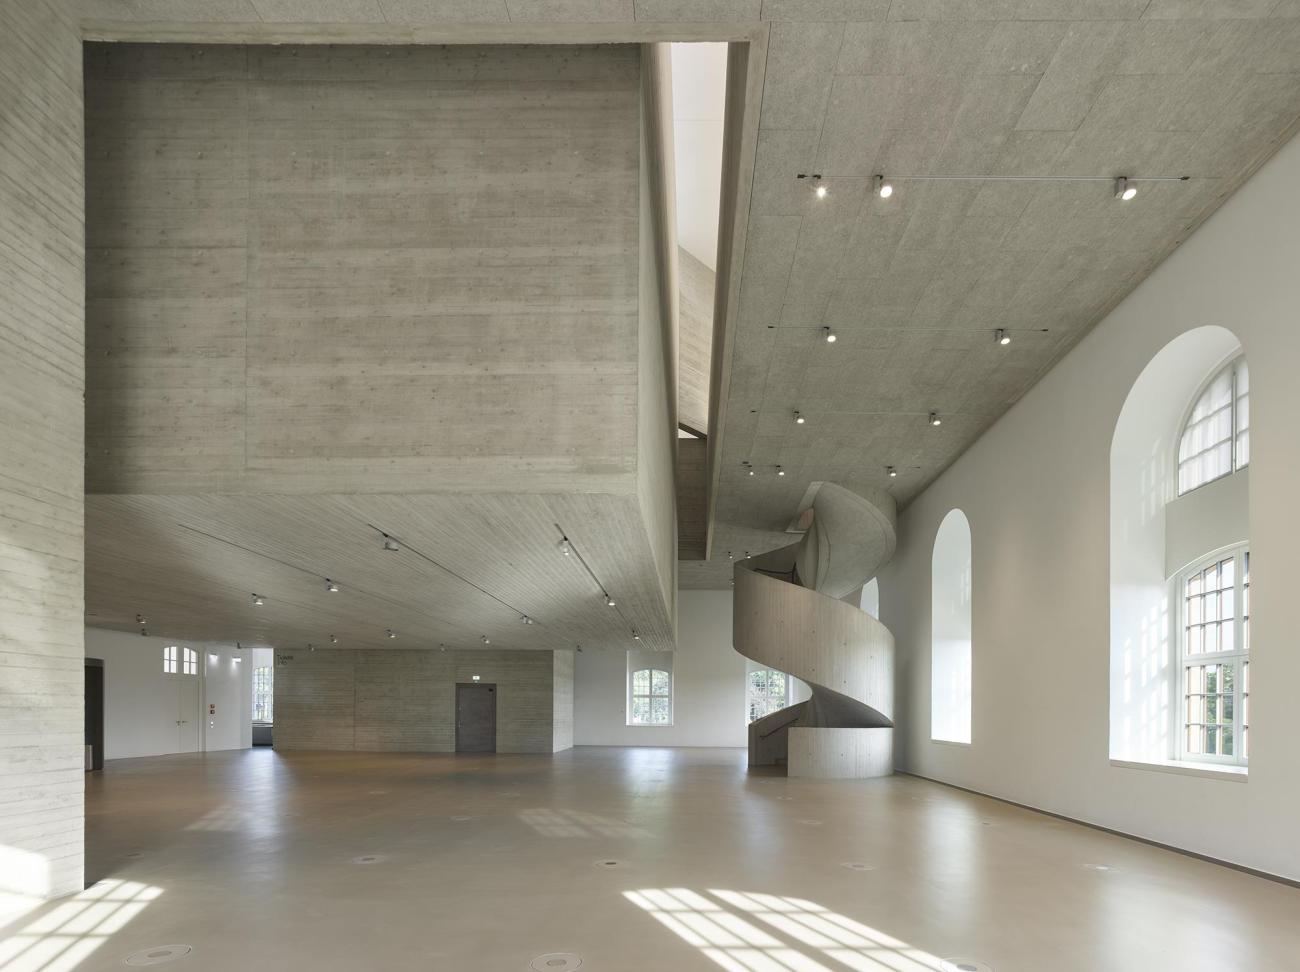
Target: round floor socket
x,y
368,859
461,817
556,962
158,955
609,862
964,965
858,866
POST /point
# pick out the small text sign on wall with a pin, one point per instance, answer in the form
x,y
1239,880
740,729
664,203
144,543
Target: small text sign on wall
x,y
283,659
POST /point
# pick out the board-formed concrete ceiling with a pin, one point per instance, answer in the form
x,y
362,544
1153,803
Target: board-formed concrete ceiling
x,y
915,287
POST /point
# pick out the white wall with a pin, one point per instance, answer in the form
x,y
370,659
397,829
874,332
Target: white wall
x,y
141,702
708,685
1036,490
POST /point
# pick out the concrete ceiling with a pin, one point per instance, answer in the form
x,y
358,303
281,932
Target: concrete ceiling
x,y
915,286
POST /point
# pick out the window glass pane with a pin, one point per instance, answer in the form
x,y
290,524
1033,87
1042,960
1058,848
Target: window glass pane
x,y
1205,448
659,711
659,682
641,682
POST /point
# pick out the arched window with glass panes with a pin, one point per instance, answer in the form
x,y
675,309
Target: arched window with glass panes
x,y
651,697
1215,440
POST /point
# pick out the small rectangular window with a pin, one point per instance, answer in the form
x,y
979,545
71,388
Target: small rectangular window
x,y
191,661
263,694
169,660
767,691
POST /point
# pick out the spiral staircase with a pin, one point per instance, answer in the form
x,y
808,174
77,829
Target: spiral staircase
x,y
789,616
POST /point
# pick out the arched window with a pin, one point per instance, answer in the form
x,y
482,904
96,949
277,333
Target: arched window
x,y
950,631
651,697
1215,440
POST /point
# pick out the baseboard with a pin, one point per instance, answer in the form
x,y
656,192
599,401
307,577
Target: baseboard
x,y
1254,872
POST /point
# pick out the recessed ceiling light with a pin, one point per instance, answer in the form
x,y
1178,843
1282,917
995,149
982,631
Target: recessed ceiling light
x,y
829,335
934,419
566,548
526,619
882,187
390,543
798,419
487,640
635,636
391,633
257,599
893,473
609,601
1124,190
334,639
1002,336
331,586
780,471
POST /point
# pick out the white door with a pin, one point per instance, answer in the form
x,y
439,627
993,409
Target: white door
x,y
187,714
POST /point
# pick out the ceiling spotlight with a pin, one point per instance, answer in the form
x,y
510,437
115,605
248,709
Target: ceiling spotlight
x,y
751,472
139,619
487,640
334,639
527,620
829,335
635,636
934,419
390,632
566,548
798,419
882,187
609,601
257,599
780,471
1124,190
893,473
474,678
1001,336
310,646
331,586
390,543
819,187
729,555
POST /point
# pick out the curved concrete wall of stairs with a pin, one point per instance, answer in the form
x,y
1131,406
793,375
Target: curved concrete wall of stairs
x,y
789,616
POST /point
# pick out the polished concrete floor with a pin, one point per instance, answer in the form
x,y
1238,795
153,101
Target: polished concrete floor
x,y
633,859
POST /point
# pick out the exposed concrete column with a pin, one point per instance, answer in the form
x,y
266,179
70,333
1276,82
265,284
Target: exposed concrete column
x,y
42,369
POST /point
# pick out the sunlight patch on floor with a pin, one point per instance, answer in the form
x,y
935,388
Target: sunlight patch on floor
x,y
728,928
71,931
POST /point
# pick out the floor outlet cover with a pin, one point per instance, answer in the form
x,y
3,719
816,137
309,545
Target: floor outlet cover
x,y
158,955
556,962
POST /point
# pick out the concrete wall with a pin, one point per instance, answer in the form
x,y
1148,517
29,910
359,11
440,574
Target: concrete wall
x,y
41,442
404,700
708,685
142,702
1036,489
562,701
657,316
295,291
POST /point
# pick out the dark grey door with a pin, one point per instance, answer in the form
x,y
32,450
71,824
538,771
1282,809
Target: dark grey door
x,y
476,718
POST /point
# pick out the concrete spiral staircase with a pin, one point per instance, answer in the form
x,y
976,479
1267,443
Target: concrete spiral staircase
x,y
789,616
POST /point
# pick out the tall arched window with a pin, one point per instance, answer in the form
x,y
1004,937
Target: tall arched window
x,y
1180,559
950,631
1215,440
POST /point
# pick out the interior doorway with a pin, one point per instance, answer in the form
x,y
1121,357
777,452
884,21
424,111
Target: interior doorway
x,y
187,715
476,717
94,713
